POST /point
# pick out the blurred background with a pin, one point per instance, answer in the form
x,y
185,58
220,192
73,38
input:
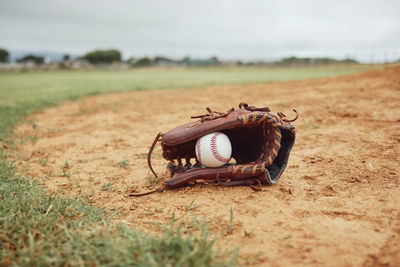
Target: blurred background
x,y
82,34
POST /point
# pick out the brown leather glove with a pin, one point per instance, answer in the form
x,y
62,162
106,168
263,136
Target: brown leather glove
x,y
261,144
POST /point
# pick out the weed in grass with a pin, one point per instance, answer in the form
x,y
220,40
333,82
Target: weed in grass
x,y
157,209
34,138
43,161
66,165
152,180
142,156
196,224
127,189
253,259
64,173
153,155
51,131
281,104
246,233
311,124
47,177
229,228
108,187
78,173
116,177
122,164
21,157
173,219
91,193
91,179
191,206
286,237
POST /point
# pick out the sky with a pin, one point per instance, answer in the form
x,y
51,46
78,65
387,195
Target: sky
x,y
368,30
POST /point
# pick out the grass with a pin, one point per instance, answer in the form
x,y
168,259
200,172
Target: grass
x,y
191,206
43,161
18,88
108,187
122,164
229,228
38,229
153,181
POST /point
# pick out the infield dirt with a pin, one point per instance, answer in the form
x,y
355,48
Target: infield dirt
x,y
337,204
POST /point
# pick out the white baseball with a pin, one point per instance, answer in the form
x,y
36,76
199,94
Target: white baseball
x,y
214,149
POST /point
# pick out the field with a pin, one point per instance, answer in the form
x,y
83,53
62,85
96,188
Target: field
x,y
22,93
17,88
337,204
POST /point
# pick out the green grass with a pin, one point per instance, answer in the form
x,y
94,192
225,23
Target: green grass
x,y
122,164
19,88
40,230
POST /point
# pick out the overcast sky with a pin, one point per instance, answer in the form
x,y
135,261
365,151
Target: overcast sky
x,y
229,29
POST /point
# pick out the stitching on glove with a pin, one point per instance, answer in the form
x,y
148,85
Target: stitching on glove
x,y
277,143
269,160
254,169
274,151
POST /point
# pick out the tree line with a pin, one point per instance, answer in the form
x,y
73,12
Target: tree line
x,y
110,56
294,61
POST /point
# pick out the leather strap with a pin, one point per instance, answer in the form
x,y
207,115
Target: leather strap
x,y
151,151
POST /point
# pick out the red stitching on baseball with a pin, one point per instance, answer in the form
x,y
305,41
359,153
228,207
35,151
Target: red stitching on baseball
x,y
214,150
198,151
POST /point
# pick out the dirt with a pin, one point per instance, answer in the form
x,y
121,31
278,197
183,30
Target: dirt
x,y
337,204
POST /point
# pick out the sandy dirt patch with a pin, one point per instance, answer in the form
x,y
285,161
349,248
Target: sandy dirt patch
x,y
337,204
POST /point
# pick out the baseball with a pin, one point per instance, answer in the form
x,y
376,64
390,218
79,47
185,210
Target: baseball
x,y
214,149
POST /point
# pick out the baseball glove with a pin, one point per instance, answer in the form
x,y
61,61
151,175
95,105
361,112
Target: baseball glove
x,y
261,144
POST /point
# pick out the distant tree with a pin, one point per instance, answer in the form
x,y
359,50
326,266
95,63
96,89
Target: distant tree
x,y
186,60
162,59
103,56
66,57
36,59
214,59
324,60
130,60
4,55
294,61
290,60
143,62
349,61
